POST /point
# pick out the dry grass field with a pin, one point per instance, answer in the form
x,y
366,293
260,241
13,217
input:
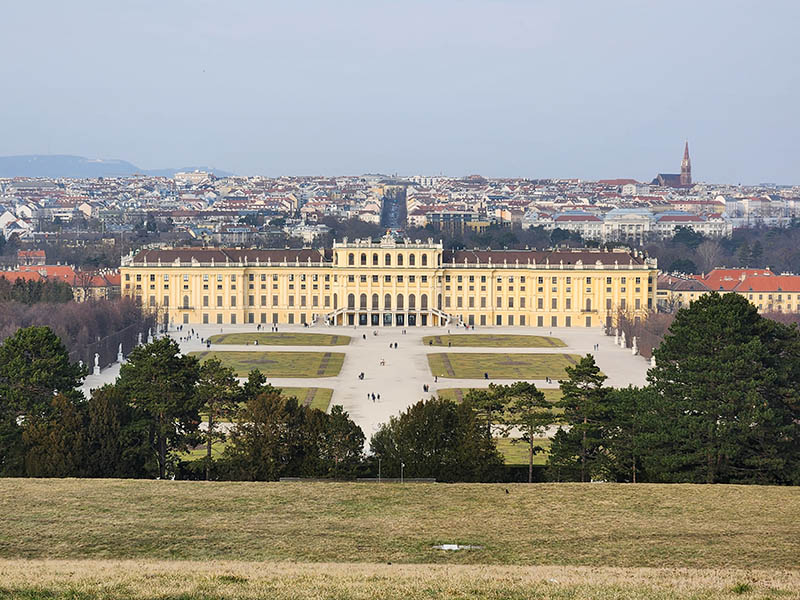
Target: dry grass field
x,y
87,539
173,580
278,364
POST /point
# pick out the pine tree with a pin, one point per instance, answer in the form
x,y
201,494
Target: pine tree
x,y
583,399
529,412
218,394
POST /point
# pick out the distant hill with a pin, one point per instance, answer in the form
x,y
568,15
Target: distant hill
x,y
64,165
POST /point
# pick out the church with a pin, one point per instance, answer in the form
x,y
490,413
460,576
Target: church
x,y
675,180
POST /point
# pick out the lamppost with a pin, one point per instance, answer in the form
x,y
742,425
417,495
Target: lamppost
x,y
379,470
402,464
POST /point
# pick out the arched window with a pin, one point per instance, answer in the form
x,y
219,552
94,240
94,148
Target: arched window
x,y
375,302
399,260
186,302
423,301
375,259
387,302
399,301
387,260
424,260
412,259
363,259
412,304
588,304
351,259
363,301
335,301
439,301
351,301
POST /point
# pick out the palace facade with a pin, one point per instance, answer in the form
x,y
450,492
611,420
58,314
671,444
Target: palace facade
x,y
391,282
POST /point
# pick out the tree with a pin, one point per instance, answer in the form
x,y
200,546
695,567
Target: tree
x,y
682,265
341,449
268,440
34,366
709,254
489,402
726,397
55,442
688,237
529,412
218,394
583,399
117,437
440,439
622,432
160,381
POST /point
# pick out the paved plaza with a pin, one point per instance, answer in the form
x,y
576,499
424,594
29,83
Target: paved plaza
x,y
399,381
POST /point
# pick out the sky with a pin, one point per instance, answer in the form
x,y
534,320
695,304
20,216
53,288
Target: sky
x,y
516,88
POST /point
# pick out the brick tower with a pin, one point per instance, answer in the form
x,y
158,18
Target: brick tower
x,y
686,167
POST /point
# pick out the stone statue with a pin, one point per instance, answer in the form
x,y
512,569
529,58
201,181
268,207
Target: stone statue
x,y
616,337
120,356
96,363
653,361
139,342
150,336
634,346
622,343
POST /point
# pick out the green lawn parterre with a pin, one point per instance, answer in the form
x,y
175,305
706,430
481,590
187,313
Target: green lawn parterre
x,y
278,364
458,394
519,366
488,340
281,339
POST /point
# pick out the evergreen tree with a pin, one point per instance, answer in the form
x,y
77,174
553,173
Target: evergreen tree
x,y
34,366
530,413
490,403
218,394
268,440
342,446
158,380
623,431
725,406
117,437
55,442
583,399
440,439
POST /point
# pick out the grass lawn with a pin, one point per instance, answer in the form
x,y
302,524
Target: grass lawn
x,y
458,394
702,526
487,340
500,366
279,364
604,541
281,339
517,453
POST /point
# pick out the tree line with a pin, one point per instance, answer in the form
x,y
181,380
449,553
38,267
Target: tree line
x,y
32,292
722,405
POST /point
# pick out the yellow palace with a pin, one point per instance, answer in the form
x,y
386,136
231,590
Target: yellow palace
x,y
392,283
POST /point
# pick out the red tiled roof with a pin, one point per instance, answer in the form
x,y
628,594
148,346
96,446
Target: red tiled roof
x,y
577,218
728,279
769,283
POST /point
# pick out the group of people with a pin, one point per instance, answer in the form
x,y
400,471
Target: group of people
x,y
373,396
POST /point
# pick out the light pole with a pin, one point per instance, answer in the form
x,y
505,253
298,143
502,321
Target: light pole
x,y
379,470
402,464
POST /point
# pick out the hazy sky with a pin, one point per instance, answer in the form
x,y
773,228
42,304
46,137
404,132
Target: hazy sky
x,y
560,88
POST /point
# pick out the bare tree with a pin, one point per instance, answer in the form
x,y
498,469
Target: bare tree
x,y
709,255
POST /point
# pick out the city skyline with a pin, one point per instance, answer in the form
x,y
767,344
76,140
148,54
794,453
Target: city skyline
x,y
503,89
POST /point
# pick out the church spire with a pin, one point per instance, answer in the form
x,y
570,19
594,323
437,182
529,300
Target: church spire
x,y
686,167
